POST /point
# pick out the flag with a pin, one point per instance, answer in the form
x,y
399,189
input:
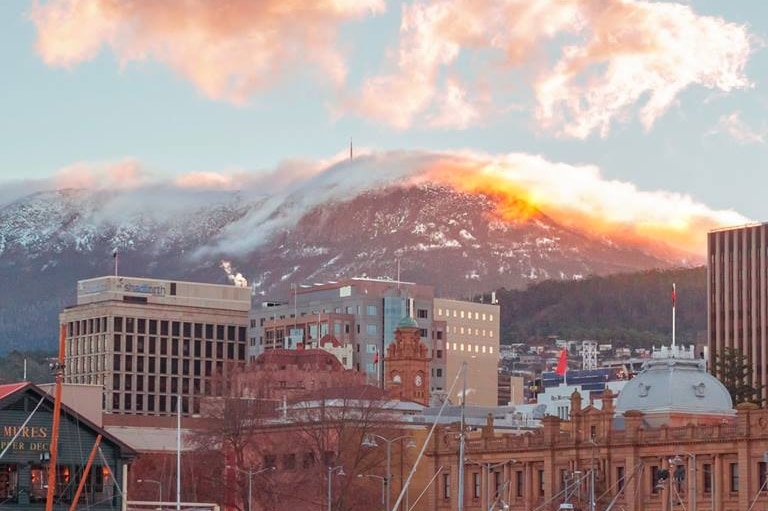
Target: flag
x,y
376,358
674,296
562,364
114,254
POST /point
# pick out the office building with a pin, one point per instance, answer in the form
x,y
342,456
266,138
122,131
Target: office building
x,y
737,260
472,330
147,341
360,312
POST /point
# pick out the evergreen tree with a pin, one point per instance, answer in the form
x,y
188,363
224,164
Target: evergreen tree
x,y
735,372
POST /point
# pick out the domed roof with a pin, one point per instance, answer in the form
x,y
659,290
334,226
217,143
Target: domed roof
x,y
407,322
675,380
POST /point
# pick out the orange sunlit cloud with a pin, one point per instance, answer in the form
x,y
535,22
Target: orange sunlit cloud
x,y
615,55
580,197
229,50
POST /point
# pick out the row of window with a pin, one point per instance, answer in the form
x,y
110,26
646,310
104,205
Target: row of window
x,y
11,483
659,477
179,329
167,366
126,402
469,347
186,347
468,331
458,313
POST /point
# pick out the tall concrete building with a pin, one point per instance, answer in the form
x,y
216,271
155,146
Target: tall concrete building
x,y
360,312
148,341
737,288
472,331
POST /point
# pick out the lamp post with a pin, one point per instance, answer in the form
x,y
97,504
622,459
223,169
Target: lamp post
x,y
340,470
383,484
251,472
370,441
159,487
677,460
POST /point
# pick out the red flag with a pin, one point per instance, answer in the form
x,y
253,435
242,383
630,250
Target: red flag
x,y
562,364
674,296
376,358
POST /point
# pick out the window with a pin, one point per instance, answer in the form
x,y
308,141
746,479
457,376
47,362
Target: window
x,y
541,482
734,472
439,372
370,329
761,474
706,471
289,461
446,486
519,481
658,478
438,353
620,479
422,313
476,485
423,333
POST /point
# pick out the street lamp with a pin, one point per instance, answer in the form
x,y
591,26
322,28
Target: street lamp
x,y
383,484
340,470
677,460
159,487
370,441
251,472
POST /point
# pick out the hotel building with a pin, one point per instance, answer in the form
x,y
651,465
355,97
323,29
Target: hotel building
x,y
738,296
148,341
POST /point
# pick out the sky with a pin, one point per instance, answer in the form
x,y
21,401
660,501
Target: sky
x,y
568,101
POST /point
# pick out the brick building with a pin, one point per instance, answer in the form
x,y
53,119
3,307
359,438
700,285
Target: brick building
x,y
670,441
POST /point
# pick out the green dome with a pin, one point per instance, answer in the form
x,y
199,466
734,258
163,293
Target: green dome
x,y
407,322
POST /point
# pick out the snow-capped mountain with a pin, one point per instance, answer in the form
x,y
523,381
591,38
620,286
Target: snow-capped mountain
x,y
457,242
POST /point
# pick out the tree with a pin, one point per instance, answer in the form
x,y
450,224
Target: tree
x,y
301,433
733,369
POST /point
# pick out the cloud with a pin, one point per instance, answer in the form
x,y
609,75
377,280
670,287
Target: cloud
x,y
523,185
229,50
733,126
617,59
121,175
577,196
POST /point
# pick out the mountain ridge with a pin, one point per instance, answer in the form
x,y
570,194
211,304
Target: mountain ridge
x,y
455,241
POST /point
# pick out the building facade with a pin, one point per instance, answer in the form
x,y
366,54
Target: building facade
x,y
150,342
407,363
737,262
26,445
472,330
361,312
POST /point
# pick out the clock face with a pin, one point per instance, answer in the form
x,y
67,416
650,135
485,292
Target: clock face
x,y
418,381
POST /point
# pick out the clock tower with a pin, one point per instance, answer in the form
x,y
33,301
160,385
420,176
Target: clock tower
x,y
406,364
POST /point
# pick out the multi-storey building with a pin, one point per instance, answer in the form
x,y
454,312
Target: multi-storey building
x,y
359,311
737,288
472,330
150,342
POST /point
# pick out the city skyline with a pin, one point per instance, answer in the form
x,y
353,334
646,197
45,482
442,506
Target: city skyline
x,y
643,103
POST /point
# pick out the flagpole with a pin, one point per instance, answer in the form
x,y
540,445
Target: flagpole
x,y
115,256
674,299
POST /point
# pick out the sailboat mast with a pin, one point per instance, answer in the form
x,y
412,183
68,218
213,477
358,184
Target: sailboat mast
x,y
58,368
178,452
